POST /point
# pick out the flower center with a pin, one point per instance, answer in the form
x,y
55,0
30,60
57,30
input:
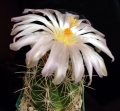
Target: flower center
x,y
67,32
66,35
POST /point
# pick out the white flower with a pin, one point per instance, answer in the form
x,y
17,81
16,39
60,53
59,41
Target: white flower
x,y
66,36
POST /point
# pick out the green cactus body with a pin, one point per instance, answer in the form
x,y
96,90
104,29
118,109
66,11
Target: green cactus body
x,y
45,96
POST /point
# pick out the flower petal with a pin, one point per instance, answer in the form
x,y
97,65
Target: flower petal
x,y
52,62
99,45
89,29
24,22
45,12
59,17
88,63
20,28
62,66
33,16
96,61
33,58
26,40
89,68
30,56
77,63
81,26
84,20
29,28
32,28
93,36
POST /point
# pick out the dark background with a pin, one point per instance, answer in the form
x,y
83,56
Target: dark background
x,y
104,16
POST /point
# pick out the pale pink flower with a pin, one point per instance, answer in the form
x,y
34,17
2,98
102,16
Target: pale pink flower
x,y
65,36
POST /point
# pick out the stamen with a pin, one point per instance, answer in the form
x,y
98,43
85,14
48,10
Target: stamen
x,y
67,32
73,22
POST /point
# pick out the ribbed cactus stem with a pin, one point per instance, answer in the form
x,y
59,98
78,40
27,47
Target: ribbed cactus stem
x,y
43,95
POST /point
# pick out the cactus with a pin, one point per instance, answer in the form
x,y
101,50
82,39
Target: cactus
x,y
40,94
66,38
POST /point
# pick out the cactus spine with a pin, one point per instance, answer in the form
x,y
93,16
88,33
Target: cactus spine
x,y
40,94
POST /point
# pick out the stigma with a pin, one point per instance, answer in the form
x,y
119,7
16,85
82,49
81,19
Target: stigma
x,y
67,32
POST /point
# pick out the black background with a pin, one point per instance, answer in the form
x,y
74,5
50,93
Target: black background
x,y
104,16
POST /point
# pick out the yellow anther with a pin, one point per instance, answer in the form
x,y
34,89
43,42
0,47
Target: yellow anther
x,y
67,32
72,22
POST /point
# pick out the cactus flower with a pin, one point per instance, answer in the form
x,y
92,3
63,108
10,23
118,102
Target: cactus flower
x,y
66,37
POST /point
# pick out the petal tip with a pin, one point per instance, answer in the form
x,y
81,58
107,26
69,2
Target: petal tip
x,y
12,47
27,10
55,82
12,19
101,76
113,59
89,83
